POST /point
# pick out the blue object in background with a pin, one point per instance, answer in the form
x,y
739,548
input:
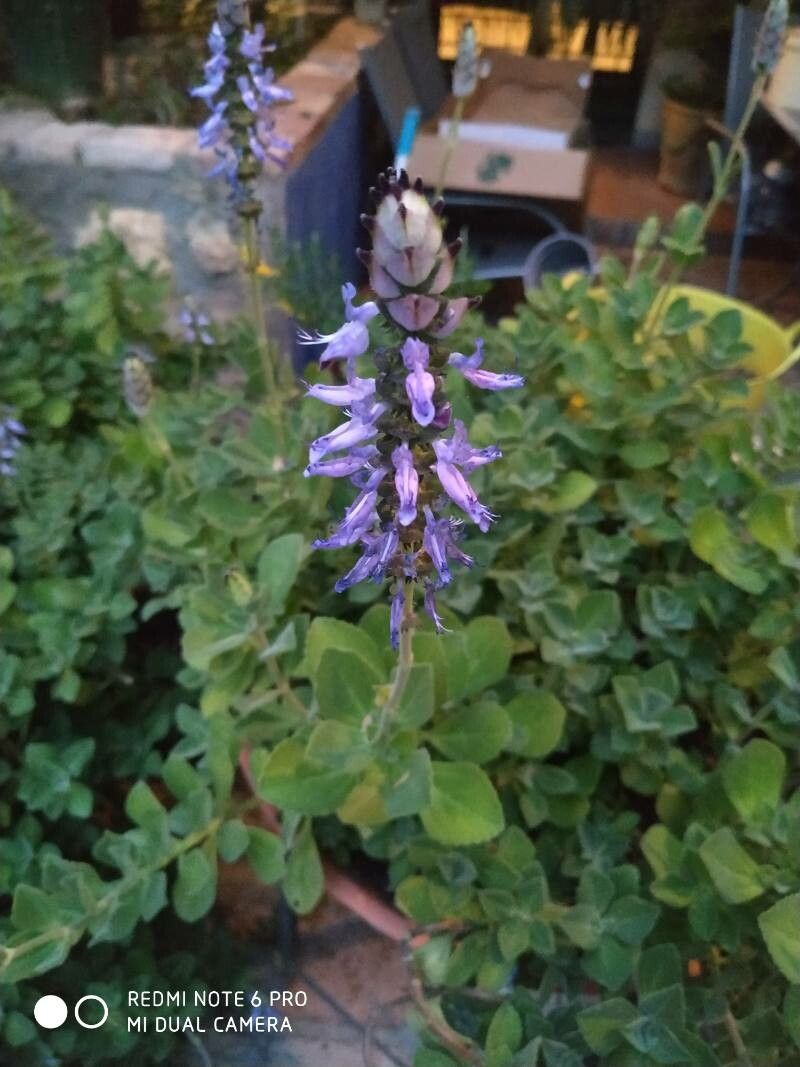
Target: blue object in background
x,y
324,194
408,133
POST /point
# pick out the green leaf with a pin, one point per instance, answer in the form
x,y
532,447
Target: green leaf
x,y
505,1031
791,1012
652,1038
465,809
753,779
569,493
537,718
601,1025
284,777
344,685
18,1029
195,885
304,881
659,967
770,519
407,789
265,854
583,925
733,871
487,648
417,703
780,928
645,454
631,919
278,567
142,805
477,733
712,541
334,633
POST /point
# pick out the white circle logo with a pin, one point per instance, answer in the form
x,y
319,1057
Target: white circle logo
x,y
79,1020
50,1012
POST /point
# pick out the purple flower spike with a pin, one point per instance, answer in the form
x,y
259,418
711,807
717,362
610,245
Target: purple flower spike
x,y
410,467
396,615
235,74
483,379
406,482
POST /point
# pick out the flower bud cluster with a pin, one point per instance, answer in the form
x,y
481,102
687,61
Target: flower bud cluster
x,y
400,446
240,92
769,42
466,69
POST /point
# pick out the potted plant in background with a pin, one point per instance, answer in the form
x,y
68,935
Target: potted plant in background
x,y
688,102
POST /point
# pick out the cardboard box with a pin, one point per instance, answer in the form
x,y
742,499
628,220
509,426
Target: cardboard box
x,y
519,134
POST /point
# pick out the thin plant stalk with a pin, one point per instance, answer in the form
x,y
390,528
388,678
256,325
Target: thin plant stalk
x,y
722,180
450,147
405,661
257,311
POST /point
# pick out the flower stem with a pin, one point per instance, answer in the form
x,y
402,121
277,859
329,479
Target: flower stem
x,y
257,305
452,141
405,661
718,194
742,1055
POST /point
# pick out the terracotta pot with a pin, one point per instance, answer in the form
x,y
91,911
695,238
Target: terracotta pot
x,y
358,899
683,165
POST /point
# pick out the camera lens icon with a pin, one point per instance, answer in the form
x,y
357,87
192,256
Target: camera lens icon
x,y
51,1011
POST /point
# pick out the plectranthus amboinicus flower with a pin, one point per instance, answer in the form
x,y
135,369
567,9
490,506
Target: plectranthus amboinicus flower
x,y
399,445
11,433
240,93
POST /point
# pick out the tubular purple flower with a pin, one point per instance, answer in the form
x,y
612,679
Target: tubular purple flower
x,y
360,572
360,428
11,433
406,482
343,395
404,410
435,545
430,607
357,520
459,451
343,466
470,367
396,615
350,340
420,387
462,494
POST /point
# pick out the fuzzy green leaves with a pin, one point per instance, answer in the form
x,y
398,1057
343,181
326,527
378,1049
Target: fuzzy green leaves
x,y
464,809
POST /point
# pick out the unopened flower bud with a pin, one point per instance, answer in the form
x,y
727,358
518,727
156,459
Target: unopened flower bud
x,y
769,42
137,386
239,587
467,66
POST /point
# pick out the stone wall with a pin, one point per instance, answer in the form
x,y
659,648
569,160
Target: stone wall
x,y
151,181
